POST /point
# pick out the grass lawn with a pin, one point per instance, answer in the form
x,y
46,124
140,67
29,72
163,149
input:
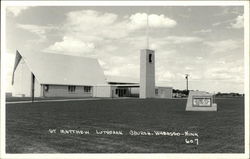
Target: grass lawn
x,y
27,126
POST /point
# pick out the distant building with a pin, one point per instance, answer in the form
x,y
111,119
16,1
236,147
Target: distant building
x,y
57,75
163,92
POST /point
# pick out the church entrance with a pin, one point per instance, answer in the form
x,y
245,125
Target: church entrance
x,y
121,92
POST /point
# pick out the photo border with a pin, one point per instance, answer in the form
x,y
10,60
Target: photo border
x,y
4,4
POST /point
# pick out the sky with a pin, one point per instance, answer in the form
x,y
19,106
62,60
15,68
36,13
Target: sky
x,y
206,42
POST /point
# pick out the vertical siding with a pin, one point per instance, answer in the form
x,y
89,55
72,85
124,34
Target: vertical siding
x,y
102,91
37,89
62,91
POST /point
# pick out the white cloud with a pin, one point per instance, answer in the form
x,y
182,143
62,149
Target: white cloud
x,y
223,45
188,68
238,23
72,46
90,28
199,58
17,10
94,24
158,43
77,18
222,22
37,30
130,70
203,31
139,20
163,75
183,39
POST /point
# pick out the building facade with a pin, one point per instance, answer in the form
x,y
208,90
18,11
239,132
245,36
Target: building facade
x,y
56,75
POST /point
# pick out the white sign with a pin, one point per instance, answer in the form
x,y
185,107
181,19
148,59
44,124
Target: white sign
x,y
202,102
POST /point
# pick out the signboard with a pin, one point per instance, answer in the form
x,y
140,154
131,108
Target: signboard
x,y
202,101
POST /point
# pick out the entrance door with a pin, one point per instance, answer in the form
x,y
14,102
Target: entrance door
x,y
122,92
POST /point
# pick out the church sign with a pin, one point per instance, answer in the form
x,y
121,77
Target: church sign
x,y
202,101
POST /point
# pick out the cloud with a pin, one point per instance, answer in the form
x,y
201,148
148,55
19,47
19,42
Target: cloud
x,y
40,31
238,23
70,45
159,43
223,45
163,75
130,70
226,10
235,74
183,39
94,24
222,22
17,10
203,31
90,28
139,20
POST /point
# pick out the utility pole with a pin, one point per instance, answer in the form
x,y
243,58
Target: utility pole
x,y
187,75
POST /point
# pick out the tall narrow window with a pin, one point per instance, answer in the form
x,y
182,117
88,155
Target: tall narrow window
x,y
46,88
87,88
150,58
156,91
71,88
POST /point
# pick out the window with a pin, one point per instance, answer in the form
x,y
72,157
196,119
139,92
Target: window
x,y
116,91
71,88
46,88
156,91
150,58
87,88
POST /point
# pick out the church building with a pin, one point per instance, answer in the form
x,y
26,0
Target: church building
x,y
57,75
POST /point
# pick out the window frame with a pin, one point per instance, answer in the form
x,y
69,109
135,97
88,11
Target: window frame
x,y
71,89
87,89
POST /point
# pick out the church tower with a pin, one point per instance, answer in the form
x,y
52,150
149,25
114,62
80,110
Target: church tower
x,y
147,73
147,70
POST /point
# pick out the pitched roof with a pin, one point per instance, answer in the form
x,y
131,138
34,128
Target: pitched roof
x,y
59,69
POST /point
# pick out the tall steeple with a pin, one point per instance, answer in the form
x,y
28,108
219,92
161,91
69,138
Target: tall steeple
x,y
147,69
147,30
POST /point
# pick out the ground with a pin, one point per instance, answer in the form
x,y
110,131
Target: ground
x,y
28,125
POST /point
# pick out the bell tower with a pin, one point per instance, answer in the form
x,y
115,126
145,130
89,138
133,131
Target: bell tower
x,y
147,69
147,73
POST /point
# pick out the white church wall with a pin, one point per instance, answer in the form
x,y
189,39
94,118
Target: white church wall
x,y
102,91
62,91
147,73
38,88
22,80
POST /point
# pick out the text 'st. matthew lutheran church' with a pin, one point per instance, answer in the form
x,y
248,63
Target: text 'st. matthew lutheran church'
x,y
147,73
